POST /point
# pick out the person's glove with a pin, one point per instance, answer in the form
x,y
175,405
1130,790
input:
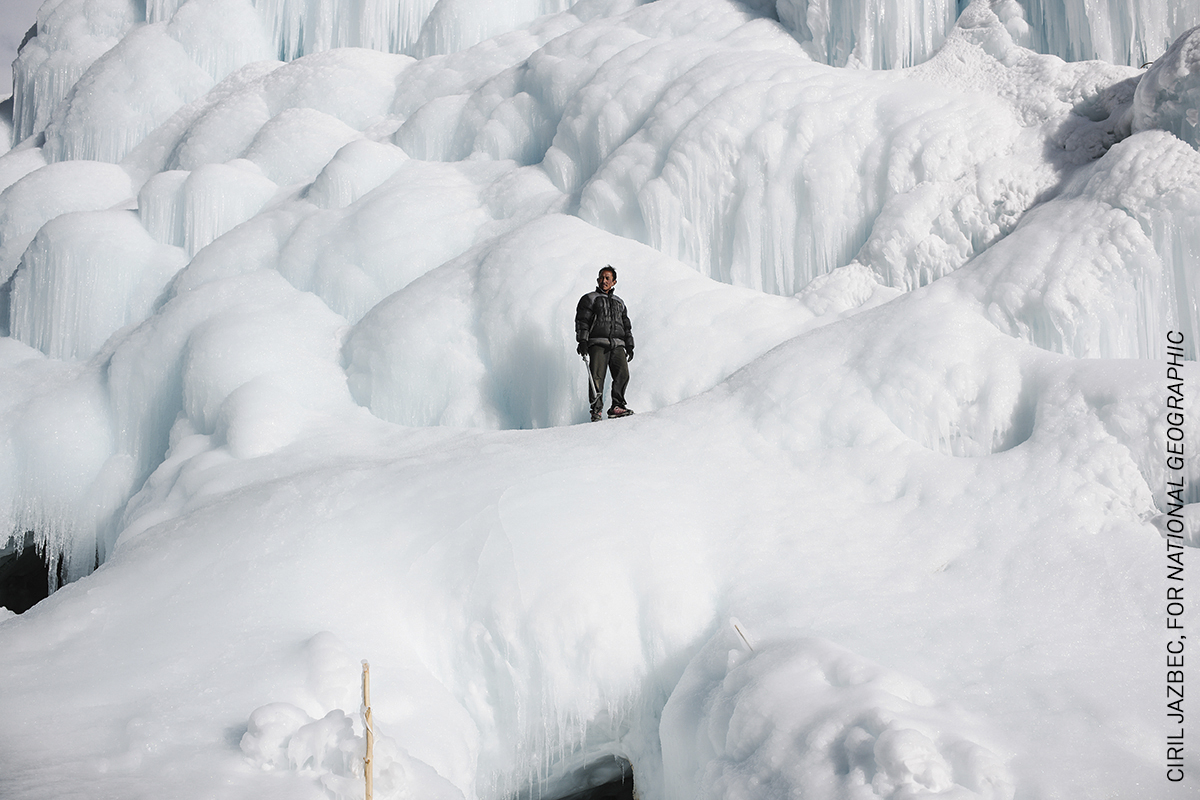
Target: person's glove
x,y
582,349
629,355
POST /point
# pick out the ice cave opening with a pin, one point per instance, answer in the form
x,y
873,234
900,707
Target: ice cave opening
x,y
25,574
606,778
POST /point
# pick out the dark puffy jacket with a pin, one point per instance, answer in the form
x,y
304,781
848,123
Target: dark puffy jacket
x,y
601,319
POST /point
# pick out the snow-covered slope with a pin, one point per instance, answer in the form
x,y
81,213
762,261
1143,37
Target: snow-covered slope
x,y
290,382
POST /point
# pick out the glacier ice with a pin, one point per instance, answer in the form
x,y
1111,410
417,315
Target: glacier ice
x,y
295,373
355,257
1068,298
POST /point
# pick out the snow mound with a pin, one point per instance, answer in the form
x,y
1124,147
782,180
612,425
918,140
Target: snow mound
x,y
353,87
136,63
328,749
487,340
86,275
50,191
71,36
1047,285
128,92
800,717
192,209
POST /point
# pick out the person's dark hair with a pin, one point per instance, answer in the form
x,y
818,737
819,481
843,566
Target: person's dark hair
x,y
607,268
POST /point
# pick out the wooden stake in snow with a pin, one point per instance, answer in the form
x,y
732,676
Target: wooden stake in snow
x,y
367,725
737,626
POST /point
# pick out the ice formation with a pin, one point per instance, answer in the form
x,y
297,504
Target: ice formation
x,y
215,37
1123,33
872,732
1167,95
287,294
878,35
84,276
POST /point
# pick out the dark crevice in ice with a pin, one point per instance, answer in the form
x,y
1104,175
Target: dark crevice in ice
x,y
608,778
24,576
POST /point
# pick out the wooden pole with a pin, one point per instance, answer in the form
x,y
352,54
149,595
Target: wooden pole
x,y
366,688
737,627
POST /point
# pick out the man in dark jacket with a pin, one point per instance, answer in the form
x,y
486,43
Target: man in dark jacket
x,y
604,337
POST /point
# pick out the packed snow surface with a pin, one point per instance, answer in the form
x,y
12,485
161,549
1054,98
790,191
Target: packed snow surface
x,y
289,382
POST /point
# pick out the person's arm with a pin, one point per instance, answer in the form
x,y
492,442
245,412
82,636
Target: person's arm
x,y
583,323
628,331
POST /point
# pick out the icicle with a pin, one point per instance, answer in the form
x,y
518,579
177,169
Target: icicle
x,y
880,34
1117,31
1174,304
221,36
162,10
64,481
49,191
86,275
298,28
454,25
125,94
160,207
217,197
71,36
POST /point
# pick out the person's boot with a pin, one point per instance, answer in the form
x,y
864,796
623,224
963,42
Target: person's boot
x,y
596,415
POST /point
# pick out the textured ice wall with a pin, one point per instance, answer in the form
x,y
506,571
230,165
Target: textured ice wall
x,y
59,475
888,34
219,36
878,34
786,170
49,192
84,276
1130,32
164,48
1046,284
1168,95
72,34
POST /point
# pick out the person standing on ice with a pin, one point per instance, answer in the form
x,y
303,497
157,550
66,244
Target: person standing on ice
x,y
605,340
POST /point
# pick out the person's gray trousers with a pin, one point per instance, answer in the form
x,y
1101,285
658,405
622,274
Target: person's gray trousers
x,y
601,359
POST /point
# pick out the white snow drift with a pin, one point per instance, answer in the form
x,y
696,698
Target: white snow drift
x,y
289,381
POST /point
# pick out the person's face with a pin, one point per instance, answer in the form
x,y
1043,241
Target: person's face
x,y
607,281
